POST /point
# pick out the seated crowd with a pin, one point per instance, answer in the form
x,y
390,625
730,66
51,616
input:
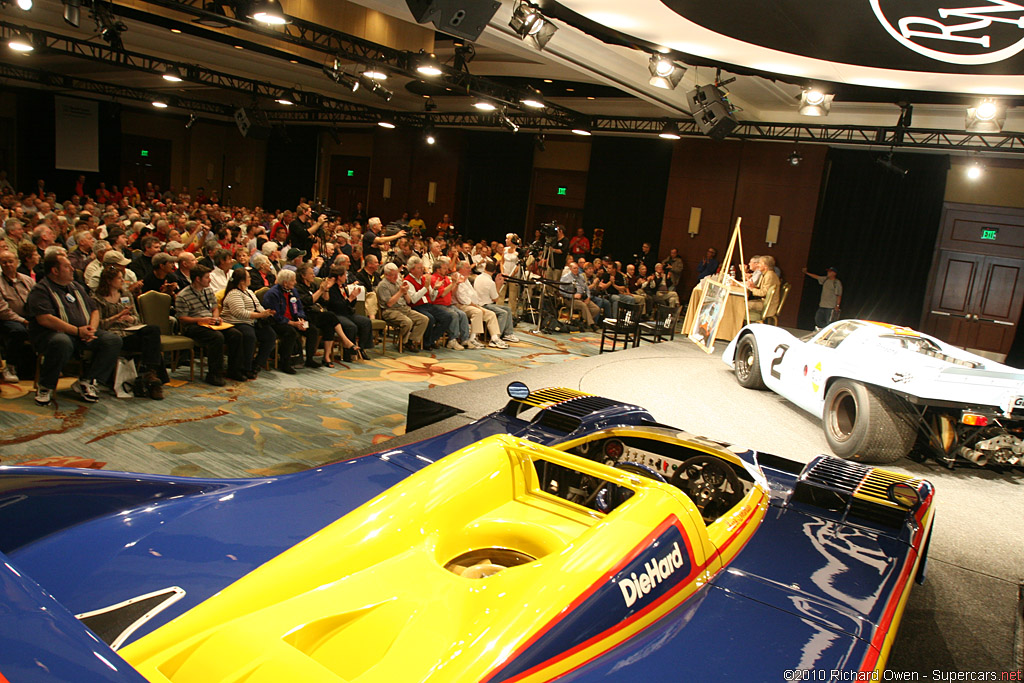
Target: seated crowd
x,y
242,283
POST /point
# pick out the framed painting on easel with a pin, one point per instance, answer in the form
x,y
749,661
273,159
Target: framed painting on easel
x,y
709,316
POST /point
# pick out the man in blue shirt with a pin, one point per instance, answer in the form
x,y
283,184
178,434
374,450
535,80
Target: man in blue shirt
x,y
576,293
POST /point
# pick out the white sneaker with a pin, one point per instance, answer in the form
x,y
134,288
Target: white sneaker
x,y
498,344
43,396
454,345
510,337
87,390
10,375
474,344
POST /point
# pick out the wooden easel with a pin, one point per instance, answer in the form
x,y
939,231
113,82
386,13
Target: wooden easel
x,y
735,244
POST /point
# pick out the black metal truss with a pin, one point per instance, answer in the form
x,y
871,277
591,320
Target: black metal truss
x,y
193,73
351,48
107,90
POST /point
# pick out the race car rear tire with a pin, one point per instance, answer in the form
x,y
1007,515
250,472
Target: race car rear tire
x,y
746,363
867,424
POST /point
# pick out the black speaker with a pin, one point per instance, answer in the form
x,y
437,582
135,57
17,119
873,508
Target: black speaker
x,y
711,111
252,123
462,18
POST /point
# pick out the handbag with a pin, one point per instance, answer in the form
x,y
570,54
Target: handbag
x,y
124,378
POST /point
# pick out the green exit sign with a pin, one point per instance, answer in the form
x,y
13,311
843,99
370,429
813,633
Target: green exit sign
x,y
144,153
989,233
350,173
561,190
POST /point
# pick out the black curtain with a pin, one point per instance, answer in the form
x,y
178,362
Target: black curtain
x,y
877,226
626,185
291,167
36,122
495,184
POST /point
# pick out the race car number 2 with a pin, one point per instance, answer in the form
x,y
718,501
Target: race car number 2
x,y
780,353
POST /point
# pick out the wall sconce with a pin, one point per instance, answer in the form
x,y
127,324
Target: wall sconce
x,y
694,227
771,236
432,193
387,188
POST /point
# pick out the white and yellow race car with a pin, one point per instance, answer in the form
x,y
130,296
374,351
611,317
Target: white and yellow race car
x,y
884,391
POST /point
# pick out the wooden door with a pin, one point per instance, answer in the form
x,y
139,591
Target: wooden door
x,y
976,301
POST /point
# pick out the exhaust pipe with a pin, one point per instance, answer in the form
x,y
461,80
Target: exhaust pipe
x,y
977,457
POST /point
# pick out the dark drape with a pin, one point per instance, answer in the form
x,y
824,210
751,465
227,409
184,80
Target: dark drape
x,y
878,228
626,185
291,167
495,178
36,123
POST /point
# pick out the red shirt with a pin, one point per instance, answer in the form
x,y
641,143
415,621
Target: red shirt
x,y
417,285
440,282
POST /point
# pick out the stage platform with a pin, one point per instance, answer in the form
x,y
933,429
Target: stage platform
x,y
966,617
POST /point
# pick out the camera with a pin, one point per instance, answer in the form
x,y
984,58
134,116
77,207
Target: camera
x,y
321,208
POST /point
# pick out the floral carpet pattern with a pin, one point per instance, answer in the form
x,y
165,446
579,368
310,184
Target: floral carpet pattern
x,y
277,424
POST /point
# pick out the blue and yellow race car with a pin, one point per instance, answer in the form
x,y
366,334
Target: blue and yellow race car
x,y
565,536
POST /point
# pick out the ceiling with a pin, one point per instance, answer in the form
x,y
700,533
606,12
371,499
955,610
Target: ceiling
x,y
595,67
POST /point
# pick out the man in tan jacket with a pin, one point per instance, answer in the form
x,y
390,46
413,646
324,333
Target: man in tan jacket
x,y
767,288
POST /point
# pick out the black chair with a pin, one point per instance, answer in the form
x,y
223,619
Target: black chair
x,y
623,328
663,325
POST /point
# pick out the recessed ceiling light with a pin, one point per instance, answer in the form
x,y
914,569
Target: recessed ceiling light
x,y
386,122
591,98
484,105
293,61
159,104
548,80
175,30
570,90
376,74
25,4
239,47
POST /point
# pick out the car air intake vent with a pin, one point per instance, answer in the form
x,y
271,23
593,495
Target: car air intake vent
x,y
835,473
583,406
557,422
892,517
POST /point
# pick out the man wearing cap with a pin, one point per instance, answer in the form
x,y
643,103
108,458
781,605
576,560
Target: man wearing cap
x,y
159,279
116,258
294,259
831,297
174,248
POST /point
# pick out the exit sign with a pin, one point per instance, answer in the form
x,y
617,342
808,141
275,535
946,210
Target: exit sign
x,y
561,190
989,233
144,153
350,173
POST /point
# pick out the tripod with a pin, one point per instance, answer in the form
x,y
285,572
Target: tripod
x,y
546,254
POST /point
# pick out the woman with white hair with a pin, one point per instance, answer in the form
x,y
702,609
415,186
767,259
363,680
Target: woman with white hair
x,y
290,321
261,271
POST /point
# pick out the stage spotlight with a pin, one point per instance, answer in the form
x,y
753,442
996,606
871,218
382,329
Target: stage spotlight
x,y
376,88
815,103
25,4
20,42
974,171
484,105
429,104
582,128
428,135
508,122
375,73
987,117
269,12
286,99
386,122
794,158
529,23
171,74
160,104
670,131
72,12
532,99
426,65
664,72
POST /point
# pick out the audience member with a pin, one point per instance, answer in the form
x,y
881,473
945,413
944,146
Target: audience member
x,y
674,267
119,315
708,265
29,258
159,278
243,310
767,287
487,289
420,296
290,322
394,303
64,321
222,267
576,293
313,298
340,300
441,288
198,312
142,264
470,303
659,287
579,245
14,290
831,297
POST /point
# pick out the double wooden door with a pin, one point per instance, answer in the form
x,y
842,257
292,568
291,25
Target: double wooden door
x,y
976,300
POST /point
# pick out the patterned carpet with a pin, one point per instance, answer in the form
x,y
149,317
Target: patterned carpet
x,y
277,424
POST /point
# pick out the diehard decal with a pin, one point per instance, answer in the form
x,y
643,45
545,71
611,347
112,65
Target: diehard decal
x,y
656,570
